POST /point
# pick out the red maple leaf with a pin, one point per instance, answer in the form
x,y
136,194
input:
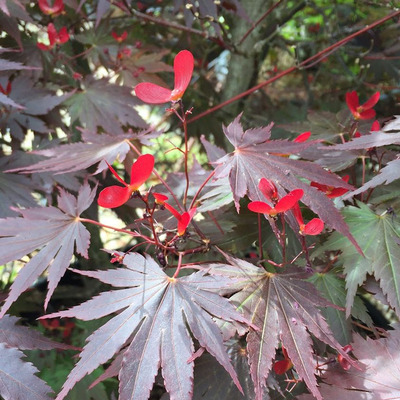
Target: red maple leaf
x,y
364,111
115,196
155,94
55,232
158,317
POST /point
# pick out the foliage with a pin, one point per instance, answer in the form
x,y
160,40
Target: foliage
x,y
149,146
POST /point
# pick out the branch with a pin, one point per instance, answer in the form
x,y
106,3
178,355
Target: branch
x,y
254,26
313,60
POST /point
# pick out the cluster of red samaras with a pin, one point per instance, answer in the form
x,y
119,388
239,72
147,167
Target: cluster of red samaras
x,y
284,204
365,111
115,196
60,37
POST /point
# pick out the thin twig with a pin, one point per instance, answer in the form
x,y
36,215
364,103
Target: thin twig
x,y
254,26
303,64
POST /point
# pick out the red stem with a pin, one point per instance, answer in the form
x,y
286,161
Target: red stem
x,y
329,49
179,265
135,234
201,188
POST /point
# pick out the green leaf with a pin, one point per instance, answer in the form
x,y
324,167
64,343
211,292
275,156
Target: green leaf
x,y
378,237
333,289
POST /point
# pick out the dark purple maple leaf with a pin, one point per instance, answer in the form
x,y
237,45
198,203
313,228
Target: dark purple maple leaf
x,y
285,308
55,231
17,378
254,158
160,313
14,190
35,102
78,156
105,105
23,338
386,175
375,139
378,377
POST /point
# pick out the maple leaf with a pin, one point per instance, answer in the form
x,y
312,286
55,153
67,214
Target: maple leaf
x,y
333,289
14,190
35,102
378,237
378,377
102,104
375,139
160,313
142,67
253,160
386,175
54,231
17,378
23,338
95,149
285,308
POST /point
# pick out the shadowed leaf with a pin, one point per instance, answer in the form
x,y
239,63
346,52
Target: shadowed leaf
x,y
17,378
378,236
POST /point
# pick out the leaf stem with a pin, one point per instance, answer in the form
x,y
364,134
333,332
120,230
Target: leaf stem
x,y
201,188
180,254
185,130
132,233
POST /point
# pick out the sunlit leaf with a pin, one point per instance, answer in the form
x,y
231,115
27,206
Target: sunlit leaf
x,y
254,159
162,313
285,307
17,378
55,232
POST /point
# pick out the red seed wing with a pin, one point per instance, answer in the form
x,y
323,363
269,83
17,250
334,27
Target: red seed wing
x,y
114,196
141,170
371,101
352,101
152,93
183,68
314,227
259,207
288,201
